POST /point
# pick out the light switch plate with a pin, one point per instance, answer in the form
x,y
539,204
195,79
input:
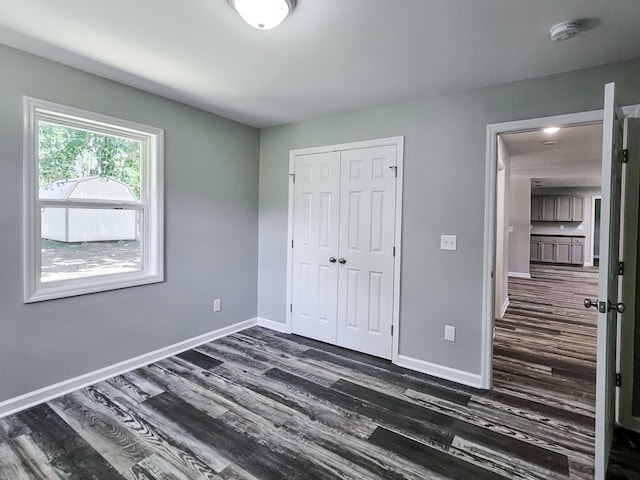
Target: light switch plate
x,y
448,242
216,305
449,333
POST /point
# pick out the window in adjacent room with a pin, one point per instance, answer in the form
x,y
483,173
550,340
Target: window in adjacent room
x,y
93,202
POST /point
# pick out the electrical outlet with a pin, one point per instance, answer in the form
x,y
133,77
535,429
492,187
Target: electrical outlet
x,y
448,242
216,305
449,333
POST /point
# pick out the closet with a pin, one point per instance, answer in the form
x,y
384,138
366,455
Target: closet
x,y
343,263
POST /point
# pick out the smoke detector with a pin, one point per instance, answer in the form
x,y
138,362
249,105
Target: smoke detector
x,y
564,31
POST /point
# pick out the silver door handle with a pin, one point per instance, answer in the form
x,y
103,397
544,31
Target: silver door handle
x,y
588,303
618,307
342,260
332,259
604,307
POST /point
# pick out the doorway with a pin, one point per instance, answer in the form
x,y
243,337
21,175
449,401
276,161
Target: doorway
x,y
544,347
608,293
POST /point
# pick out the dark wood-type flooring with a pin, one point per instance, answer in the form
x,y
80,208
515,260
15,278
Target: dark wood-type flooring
x,y
263,405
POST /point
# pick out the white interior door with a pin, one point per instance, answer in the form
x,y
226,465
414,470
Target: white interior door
x,y
629,408
315,236
366,263
613,128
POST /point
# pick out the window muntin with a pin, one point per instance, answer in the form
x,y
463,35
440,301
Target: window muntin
x,y
93,202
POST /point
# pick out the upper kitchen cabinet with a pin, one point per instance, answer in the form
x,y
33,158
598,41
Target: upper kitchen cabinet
x,y
577,209
557,208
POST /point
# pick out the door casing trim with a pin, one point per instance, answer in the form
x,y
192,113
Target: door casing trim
x,y
398,142
488,291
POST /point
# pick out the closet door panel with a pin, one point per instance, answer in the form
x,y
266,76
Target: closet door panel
x,y
315,236
367,229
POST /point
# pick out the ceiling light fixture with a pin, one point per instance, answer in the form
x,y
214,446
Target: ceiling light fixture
x,y
551,130
564,31
263,14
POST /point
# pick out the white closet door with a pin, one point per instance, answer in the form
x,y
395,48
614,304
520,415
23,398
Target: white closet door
x,y
315,234
367,223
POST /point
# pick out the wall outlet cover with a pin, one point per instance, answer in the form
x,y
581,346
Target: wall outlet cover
x,y
216,305
448,242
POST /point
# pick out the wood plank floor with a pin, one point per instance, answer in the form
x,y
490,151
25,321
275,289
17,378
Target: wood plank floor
x,y
262,405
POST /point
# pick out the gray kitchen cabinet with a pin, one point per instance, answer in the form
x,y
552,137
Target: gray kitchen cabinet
x,y
577,209
562,249
547,249
535,208
556,249
534,248
557,208
563,208
577,251
548,209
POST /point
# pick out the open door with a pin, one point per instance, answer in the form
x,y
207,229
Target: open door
x,y
629,404
609,279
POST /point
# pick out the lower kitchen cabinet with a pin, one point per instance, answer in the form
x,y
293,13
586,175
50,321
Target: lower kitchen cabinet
x,y
555,249
577,250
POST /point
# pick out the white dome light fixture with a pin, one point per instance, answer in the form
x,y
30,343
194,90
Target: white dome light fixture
x,y
564,31
263,14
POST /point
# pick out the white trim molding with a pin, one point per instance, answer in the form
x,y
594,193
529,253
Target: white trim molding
x,y
273,325
27,400
446,373
519,275
503,308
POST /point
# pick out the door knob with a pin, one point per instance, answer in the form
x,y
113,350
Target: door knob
x,y
618,307
342,260
604,307
332,259
588,303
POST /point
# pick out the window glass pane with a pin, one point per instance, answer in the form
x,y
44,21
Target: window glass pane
x,y
83,242
79,164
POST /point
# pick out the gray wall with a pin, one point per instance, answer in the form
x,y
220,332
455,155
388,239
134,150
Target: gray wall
x,y
519,216
211,220
571,228
443,193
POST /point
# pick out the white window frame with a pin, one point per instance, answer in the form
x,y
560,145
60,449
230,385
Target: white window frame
x,y
151,202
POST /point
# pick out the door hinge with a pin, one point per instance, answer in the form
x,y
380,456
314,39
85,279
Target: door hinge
x,y
625,155
394,251
292,243
392,330
620,268
291,307
395,170
293,177
618,379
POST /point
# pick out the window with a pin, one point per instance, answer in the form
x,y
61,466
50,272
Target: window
x,y
93,202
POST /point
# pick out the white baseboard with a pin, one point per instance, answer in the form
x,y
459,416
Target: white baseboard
x,y
447,373
588,264
273,325
22,402
519,275
503,309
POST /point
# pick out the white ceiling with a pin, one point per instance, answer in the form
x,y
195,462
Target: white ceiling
x,y
330,56
574,160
